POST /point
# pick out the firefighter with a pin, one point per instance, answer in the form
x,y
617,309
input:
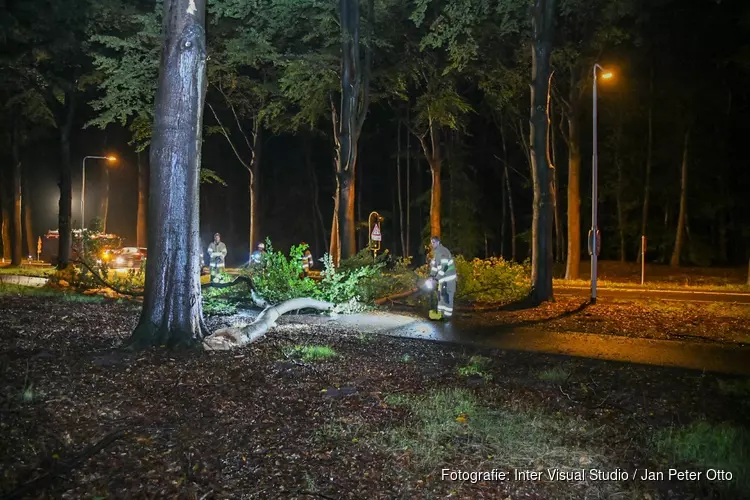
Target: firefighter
x,y
307,259
217,252
443,269
257,256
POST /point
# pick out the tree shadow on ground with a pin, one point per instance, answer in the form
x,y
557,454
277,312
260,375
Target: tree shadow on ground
x,y
525,304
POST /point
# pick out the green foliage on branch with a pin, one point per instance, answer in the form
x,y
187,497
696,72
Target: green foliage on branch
x,y
280,277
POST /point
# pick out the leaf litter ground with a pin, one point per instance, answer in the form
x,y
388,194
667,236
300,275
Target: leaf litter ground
x,y
258,423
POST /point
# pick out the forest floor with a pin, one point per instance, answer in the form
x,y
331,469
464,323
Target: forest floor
x,y
316,411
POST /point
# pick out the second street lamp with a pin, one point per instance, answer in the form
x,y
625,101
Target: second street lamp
x,y
110,159
594,239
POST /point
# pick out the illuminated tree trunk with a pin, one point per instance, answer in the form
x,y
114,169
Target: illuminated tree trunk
x,y
4,198
354,102
573,257
172,311
543,14
142,218
434,160
682,217
620,191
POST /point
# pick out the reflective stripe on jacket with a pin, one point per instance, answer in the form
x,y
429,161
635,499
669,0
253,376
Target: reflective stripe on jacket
x,y
442,265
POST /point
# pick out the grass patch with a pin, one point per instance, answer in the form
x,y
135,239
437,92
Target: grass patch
x,y
477,366
311,353
556,374
716,446
40,272
447,422
43,292
656,285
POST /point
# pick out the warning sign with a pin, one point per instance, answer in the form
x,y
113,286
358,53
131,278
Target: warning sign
x,y
376,233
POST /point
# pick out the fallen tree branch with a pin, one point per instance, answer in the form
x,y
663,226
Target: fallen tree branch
x,y
238,279
107,284
239,336
391,298
63,467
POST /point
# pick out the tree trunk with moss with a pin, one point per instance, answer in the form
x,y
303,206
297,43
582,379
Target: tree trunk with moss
x,y
172,312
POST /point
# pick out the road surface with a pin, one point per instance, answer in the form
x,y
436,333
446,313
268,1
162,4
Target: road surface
x,y
718,358
656,294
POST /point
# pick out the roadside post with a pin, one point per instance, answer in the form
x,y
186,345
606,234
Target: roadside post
x,y
643,259
376,236
39,248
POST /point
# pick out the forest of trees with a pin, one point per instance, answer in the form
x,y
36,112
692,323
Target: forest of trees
x,y
425,101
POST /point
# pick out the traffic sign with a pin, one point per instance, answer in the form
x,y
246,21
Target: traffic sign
x,y
376,233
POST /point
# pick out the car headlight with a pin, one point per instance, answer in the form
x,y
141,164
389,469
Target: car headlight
x,y
120,260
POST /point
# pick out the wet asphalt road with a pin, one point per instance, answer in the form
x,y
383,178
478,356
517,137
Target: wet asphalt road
x,y
702,356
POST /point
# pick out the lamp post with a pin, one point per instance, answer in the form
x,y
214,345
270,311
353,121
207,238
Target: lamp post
x,y
594,242
83,187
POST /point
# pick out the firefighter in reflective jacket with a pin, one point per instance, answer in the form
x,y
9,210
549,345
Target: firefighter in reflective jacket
x,y
217,252
443,269
307,259
257,256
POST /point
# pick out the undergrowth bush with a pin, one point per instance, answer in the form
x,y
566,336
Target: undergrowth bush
x,y
281,278
225,301
491,280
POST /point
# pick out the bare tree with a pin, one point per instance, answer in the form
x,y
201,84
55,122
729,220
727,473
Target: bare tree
x,y
682,217
172,310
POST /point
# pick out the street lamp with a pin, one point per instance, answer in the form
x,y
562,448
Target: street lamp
x,y
594,239
110,159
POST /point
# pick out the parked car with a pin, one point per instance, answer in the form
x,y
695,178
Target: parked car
x,y
132,257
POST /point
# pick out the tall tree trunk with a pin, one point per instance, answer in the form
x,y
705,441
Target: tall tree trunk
x,y
66,194
434,160
5,207
504,215
401,227
559,236
407,253
543,18
506,175
649,157
142,217
16,215
254,187
27,219
104,209
354,103
573,257
682,217
620,190
315,188
172,310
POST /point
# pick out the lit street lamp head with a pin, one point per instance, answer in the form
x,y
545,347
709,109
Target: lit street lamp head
x,y
607,75
111,159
